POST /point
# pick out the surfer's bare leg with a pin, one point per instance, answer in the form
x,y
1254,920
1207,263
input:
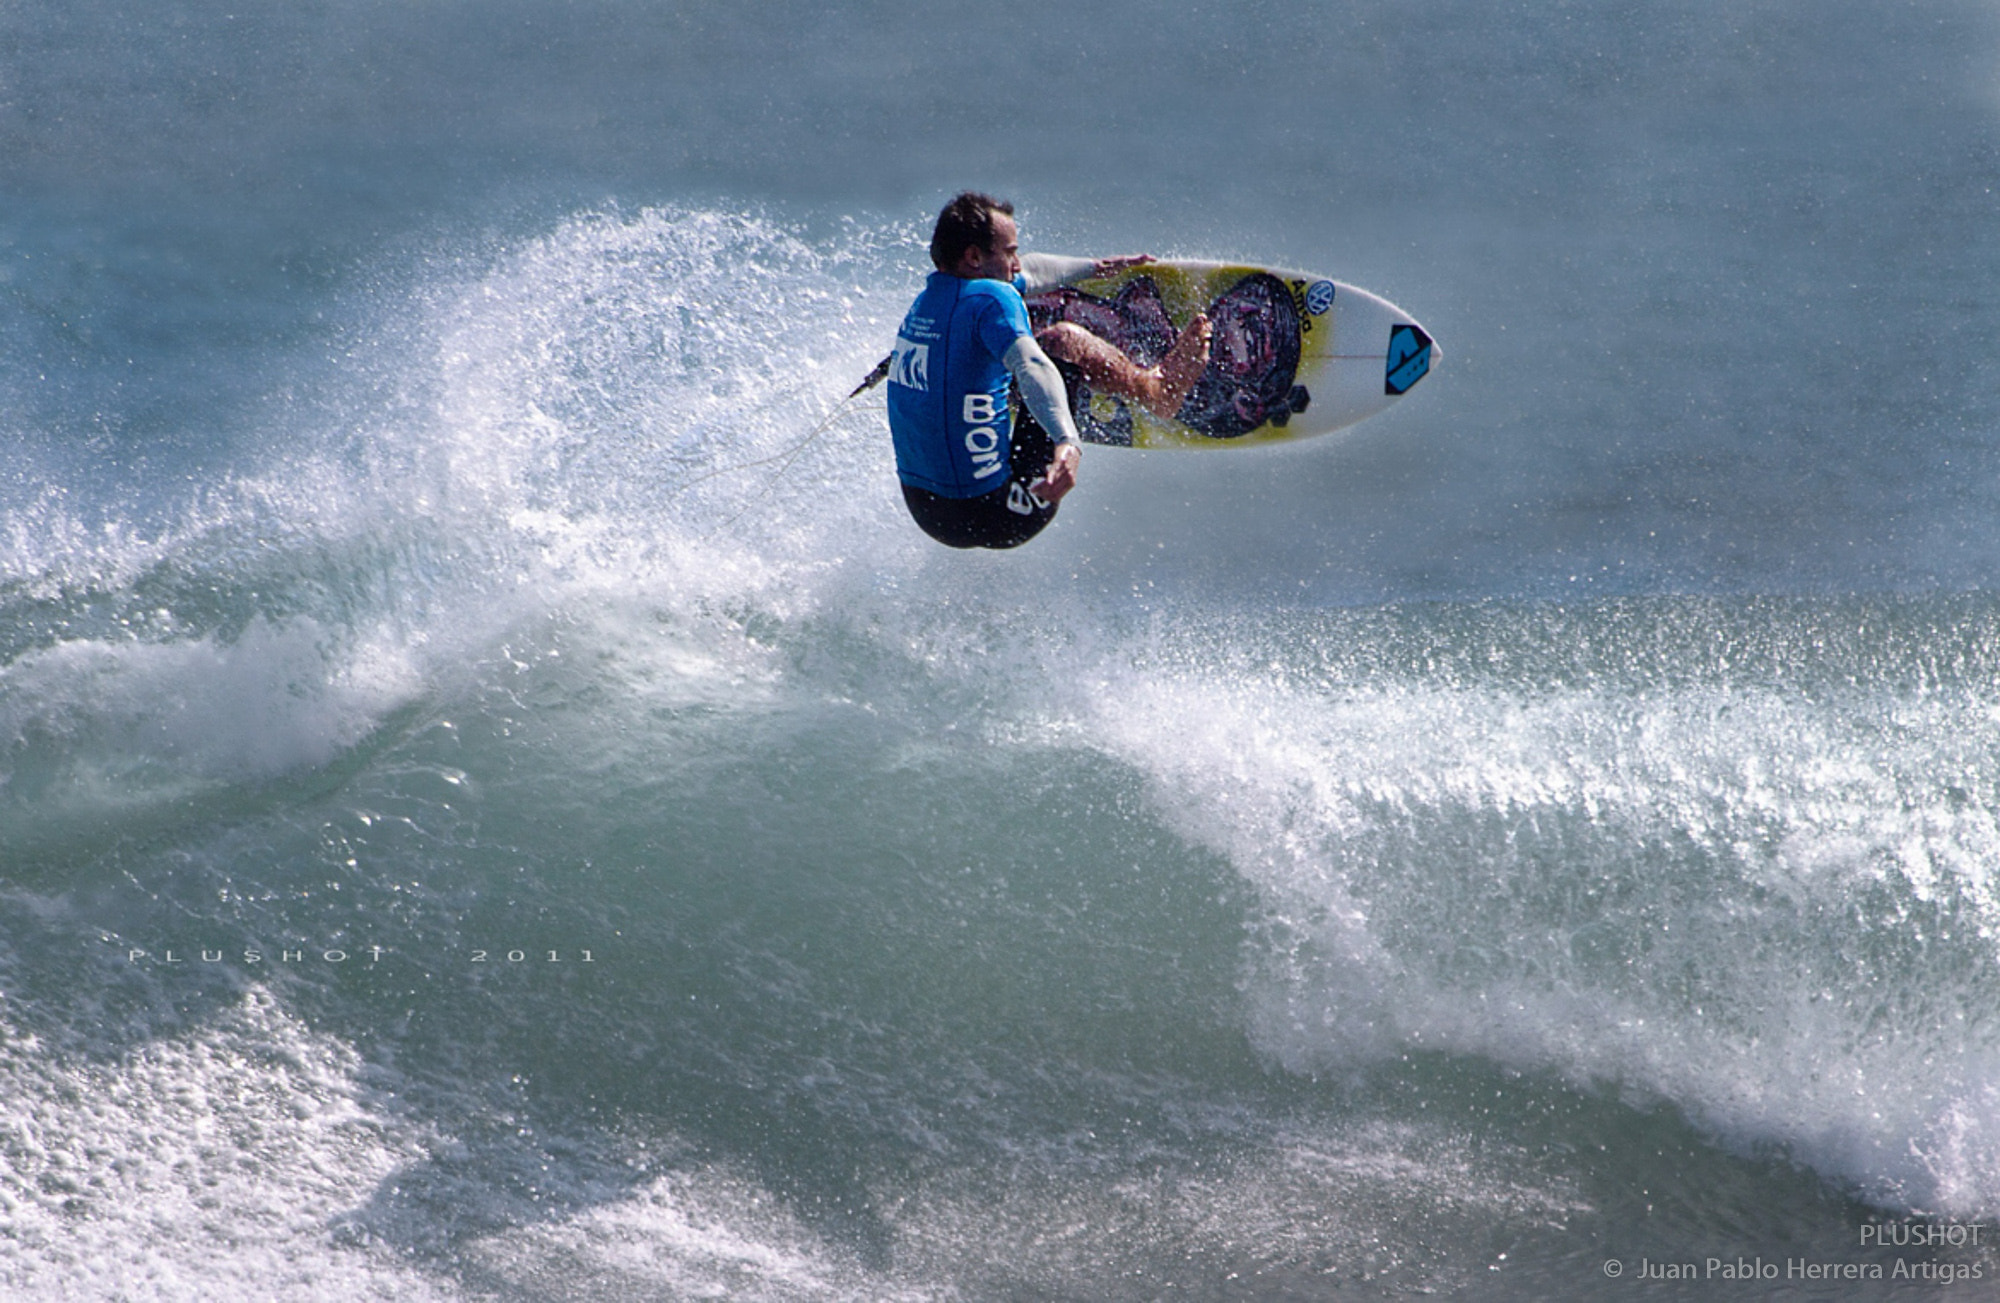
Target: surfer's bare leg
x,y
1159,389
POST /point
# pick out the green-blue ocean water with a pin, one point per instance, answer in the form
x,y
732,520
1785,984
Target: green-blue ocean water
x,y
490,809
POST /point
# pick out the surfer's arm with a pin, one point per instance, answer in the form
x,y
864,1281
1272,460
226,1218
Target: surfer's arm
x,y
1042,388
1045,271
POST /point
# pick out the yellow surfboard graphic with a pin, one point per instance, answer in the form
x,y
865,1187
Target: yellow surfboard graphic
x,y
1293,354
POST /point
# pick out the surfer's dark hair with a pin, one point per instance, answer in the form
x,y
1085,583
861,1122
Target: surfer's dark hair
x,y
965,223
1223,406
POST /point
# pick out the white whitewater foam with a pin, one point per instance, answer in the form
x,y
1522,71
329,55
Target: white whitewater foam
x,y
1714,898
212,1165
277,697
620,406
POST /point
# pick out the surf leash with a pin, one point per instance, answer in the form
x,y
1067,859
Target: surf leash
x,y
791,454
875,377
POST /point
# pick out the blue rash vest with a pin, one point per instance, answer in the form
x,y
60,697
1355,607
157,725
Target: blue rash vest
x,y
948,387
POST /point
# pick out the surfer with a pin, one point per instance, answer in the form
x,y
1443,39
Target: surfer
x,y
975,472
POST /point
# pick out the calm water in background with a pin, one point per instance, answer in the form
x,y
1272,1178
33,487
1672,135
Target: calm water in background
x,y
484,813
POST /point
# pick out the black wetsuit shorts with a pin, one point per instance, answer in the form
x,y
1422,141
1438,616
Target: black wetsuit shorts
x,y
1008,516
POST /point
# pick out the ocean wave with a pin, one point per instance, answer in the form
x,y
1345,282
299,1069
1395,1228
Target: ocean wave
x,y
1769,905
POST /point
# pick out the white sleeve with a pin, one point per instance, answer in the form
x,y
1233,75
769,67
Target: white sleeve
x,y
1042,388
1045,271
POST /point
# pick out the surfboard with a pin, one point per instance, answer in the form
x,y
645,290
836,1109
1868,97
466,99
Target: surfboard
x,y
1293,354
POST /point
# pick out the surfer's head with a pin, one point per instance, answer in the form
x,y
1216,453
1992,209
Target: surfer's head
x,y
978,224
1253,357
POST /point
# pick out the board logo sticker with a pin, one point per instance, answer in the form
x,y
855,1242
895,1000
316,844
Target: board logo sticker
x,y
1409,358
1319,298
1305,318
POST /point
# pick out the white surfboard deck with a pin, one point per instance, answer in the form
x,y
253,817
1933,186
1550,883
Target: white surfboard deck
x,y
1293,354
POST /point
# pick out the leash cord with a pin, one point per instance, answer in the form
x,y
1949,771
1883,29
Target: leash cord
x,y
791,454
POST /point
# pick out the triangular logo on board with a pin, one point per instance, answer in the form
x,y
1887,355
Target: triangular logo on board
x,y
1409,358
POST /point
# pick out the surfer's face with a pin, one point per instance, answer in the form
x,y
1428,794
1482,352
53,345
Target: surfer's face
x,y
1002,262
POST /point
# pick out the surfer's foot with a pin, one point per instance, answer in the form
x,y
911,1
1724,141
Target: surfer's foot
x,y
1165,387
